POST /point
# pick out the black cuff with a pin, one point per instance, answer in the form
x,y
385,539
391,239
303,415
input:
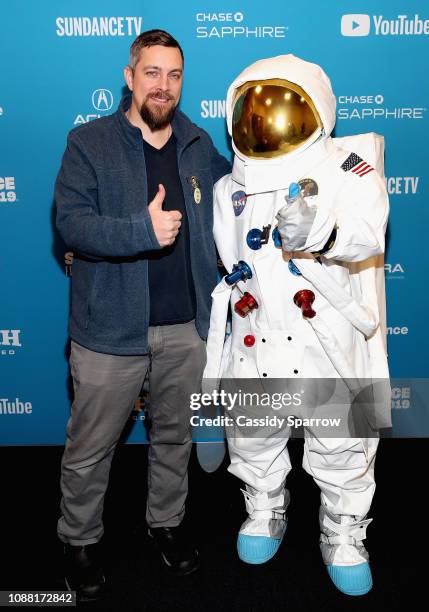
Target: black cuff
x,y
329,244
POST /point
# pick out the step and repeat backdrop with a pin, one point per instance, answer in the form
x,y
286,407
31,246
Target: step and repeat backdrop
x,y
61,65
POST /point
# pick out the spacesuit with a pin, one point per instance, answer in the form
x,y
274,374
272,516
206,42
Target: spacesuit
x,y
299,225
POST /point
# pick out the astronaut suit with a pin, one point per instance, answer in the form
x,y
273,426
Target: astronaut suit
x,y
317,311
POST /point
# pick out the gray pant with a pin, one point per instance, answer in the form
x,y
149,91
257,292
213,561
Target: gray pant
x,y
106,387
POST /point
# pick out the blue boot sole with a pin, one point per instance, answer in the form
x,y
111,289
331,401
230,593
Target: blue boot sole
x,y
257,549
352,579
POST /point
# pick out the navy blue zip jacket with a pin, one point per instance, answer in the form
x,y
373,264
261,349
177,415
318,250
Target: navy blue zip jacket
x,y
102,215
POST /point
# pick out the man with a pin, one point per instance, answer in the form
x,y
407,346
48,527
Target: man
x,y
305,310
134,202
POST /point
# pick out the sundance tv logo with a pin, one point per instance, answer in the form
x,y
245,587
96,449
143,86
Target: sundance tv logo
x,y
402,185
358,24
98,26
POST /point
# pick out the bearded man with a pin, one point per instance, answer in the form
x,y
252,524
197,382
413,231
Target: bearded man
x,y
134,203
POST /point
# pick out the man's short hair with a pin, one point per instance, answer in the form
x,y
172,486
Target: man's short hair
x,y
150,38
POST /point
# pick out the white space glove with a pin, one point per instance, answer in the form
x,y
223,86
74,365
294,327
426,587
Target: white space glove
x,y
295,220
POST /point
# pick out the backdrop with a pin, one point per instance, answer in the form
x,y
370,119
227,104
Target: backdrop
x,y
61,65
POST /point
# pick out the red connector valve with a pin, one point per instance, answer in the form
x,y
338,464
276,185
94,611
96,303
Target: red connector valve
x,y
245,304
304,299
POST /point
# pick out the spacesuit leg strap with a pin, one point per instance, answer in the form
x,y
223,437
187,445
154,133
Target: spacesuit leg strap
x,y
262,505
350,532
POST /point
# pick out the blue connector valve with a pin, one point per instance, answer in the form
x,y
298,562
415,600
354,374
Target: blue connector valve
x,y
253,239
256,238
293,269
294,192
240,272
277,238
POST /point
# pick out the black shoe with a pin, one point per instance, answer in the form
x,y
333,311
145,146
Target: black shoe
x,y
83,571
178,554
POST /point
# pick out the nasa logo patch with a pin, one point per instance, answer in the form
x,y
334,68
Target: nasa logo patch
x,y
239,200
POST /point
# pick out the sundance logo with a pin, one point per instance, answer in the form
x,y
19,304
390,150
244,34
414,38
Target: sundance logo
x,y
397,331
358,24
98,26
213,109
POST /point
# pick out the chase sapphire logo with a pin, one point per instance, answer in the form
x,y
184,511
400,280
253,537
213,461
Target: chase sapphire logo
x,y
239,200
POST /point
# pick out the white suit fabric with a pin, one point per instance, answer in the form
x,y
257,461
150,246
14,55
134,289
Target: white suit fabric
x,y
345,339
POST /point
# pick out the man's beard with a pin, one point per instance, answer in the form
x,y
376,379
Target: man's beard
x,y
156,116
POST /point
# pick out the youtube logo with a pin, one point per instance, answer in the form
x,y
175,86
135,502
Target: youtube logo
x,y
355,25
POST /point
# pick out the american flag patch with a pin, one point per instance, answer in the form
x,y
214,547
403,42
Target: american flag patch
x,y
357,165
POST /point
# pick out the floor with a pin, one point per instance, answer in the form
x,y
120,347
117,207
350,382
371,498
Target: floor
x,y
30,554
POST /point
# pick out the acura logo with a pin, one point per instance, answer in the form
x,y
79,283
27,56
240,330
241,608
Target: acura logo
x,y
102,99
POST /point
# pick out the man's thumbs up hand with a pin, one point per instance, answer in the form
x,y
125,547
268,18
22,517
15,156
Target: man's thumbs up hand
x,y
166,223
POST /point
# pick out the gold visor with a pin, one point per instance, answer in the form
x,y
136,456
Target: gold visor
x,y
272,118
